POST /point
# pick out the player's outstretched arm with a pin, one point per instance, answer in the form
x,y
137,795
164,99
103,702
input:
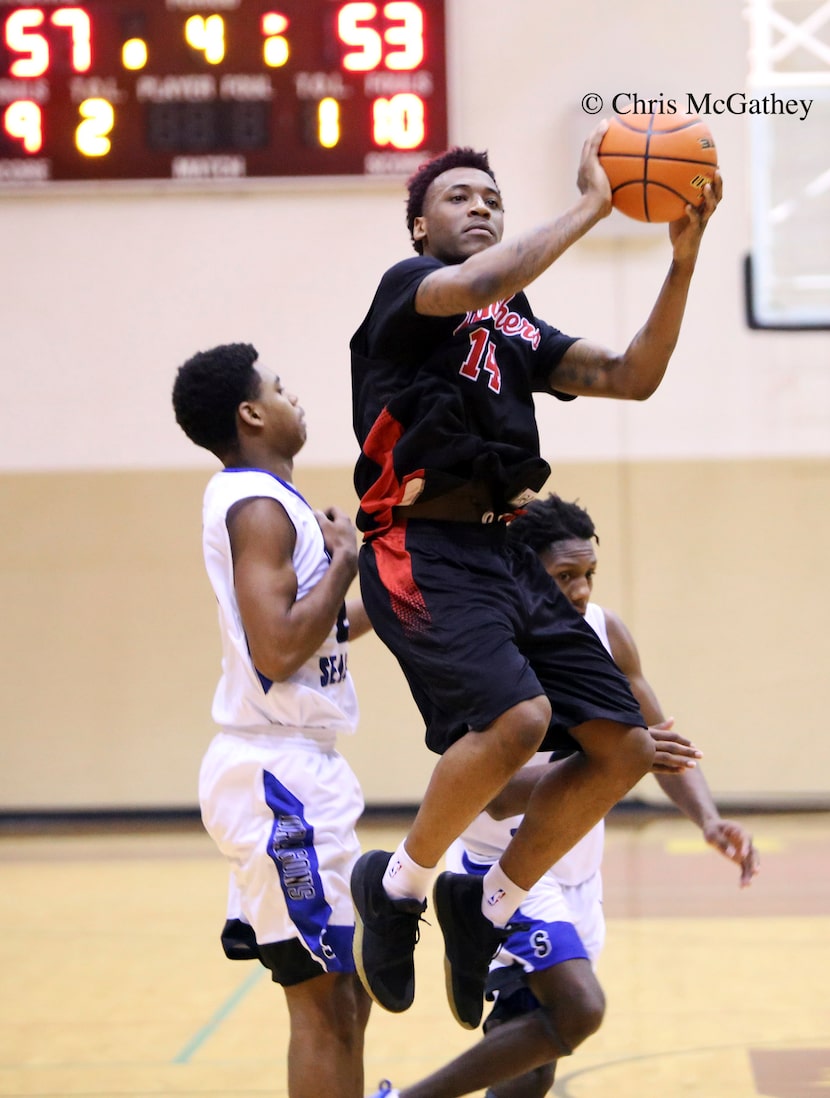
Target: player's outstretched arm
x,y
503,269
734,841
692,795
687,232
688,789
589,369
673,753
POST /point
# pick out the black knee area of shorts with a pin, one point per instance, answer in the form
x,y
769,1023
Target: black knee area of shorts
x,y
511,1005
239,941
288,962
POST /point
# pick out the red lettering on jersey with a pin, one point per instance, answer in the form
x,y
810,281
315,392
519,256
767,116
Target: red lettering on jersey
x,y
471,366
482,356
492,368
504,320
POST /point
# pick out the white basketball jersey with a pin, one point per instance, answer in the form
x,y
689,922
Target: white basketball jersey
x,y
595,617
486,839
320,694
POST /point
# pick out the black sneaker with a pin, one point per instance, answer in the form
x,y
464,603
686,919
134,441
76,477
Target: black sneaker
x,y
385,934
470,943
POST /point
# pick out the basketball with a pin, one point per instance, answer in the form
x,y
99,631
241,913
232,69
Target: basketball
x,y
657,163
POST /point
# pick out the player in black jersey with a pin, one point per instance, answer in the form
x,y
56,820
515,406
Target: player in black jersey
x,y
444,369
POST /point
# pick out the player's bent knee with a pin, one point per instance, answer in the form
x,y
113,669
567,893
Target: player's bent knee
x,y
524,726
574,1020
641,749
628,753
591,1013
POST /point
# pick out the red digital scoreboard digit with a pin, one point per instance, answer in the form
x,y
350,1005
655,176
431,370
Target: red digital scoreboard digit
x,y
177,89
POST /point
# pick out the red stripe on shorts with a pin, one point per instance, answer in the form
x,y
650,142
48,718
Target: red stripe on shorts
x,y
394,566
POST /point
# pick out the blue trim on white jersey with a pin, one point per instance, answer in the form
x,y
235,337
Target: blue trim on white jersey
x,y
254,469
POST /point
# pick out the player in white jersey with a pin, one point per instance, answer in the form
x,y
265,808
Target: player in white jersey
x,y
277,798
543,977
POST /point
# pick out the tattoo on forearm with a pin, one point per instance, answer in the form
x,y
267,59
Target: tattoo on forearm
x,y
583,375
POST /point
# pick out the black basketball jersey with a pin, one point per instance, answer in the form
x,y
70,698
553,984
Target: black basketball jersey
x,y
440,401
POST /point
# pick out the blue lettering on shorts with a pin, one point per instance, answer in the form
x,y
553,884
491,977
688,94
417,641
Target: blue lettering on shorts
x,y
544,945
291,848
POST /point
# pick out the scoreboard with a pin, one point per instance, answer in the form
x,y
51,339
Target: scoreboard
x,y
229,89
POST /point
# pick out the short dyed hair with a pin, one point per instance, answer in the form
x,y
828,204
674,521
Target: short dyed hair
x,y
208,389
546,521
418,184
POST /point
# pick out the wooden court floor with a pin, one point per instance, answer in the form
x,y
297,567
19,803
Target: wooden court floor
x,y
113,982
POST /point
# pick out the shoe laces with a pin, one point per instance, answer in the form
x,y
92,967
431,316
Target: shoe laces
x,y
401,924
504,932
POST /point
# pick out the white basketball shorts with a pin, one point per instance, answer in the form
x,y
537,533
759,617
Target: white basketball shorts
x,y
282,808
562,922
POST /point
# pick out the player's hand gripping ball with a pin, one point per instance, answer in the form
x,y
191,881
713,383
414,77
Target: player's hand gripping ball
x,y
657,163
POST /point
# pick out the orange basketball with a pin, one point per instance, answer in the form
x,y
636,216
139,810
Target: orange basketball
x,y
657,163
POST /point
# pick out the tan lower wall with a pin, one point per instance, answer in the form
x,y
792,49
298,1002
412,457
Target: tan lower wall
x,y
109,648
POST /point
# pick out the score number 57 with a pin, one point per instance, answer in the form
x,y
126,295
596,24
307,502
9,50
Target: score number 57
x,y
22,119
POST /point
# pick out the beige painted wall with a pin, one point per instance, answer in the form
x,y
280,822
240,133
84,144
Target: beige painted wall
x,y
109,645
712,497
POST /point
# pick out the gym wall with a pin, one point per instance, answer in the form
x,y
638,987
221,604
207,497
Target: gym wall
x,y
711,498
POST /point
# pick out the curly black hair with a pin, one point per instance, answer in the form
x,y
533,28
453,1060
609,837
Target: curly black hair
x,y
418,184
208,389
545,521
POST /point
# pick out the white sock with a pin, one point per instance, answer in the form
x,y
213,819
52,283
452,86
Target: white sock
x,y
501,896
405,879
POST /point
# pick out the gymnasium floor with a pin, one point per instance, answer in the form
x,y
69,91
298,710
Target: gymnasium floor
x,y
113,983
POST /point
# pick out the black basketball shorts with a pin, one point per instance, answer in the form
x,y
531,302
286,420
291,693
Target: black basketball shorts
x,y
478,626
